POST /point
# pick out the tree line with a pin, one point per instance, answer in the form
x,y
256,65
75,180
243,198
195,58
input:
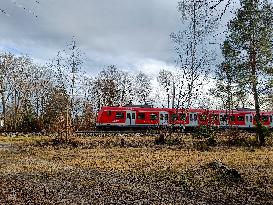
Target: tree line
x,y
60,94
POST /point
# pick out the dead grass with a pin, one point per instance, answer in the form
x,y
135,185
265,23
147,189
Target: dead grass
x,y
139,158
107,154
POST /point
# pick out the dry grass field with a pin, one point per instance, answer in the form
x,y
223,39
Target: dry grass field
x,y
133,170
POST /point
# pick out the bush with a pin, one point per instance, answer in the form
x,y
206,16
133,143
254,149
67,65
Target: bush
x,y
203,132
211,141
236,137
29,123
160,140
173,141
201,145
266,131
207,133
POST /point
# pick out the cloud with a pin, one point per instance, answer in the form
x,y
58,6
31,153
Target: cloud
x,y
120,32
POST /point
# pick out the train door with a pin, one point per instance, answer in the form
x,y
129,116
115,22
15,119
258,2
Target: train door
x,y
223,120
130,118
163,118
193,119
249,120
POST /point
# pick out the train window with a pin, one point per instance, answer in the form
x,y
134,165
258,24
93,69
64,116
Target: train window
x,y
270,118
223,117
203,117
153,116
241,118
215,117
109,113
191,117
133,116
174,116
195,117
166,116
141,116
247,118
250,119
161,117
120,115
182,116
265,118
231,118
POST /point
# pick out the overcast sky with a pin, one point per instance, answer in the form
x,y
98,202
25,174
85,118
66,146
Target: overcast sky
x,y
132,34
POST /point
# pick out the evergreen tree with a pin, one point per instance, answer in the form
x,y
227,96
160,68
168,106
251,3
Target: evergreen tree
x,y
251,33
228,88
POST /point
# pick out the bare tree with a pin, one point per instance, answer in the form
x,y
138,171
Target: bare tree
x,y
68,66
55,111
127,91
25,87
106,86
165,79
6,65
191,47
25,8
142,87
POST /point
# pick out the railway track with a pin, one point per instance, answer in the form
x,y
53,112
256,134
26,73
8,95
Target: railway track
x,y
89,133
116,132
102,133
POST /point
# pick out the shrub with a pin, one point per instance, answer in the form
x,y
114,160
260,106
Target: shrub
x,y
201,145
173,141
266,131
236,137
207,133
203,132
160,139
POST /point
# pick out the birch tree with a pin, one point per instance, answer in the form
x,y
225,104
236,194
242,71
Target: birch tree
x,y
194,58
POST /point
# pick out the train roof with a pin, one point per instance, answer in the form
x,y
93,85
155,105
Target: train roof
x,y
173,110
120,108
152,109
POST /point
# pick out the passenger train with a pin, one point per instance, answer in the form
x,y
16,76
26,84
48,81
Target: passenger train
x,y
140,117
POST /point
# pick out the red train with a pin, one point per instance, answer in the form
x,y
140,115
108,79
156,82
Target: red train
x,y
148,117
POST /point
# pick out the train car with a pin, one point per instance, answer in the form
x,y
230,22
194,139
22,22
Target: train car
x,y
266,119
182,118
132,117
148,117
244,119
239,119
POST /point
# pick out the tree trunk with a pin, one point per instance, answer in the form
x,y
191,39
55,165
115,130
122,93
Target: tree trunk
x,y
260,133
173,95
3,107
15,110
168,100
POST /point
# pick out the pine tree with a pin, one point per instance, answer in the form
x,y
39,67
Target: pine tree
x,y
251,33
228,88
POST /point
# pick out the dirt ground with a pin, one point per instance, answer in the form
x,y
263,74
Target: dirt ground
x,y
132,170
